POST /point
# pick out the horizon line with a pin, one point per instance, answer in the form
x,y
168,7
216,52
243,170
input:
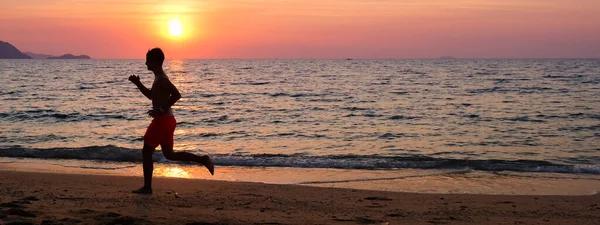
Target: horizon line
x,y
349,58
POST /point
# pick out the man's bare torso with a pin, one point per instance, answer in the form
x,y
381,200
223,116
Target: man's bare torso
x,y
161,94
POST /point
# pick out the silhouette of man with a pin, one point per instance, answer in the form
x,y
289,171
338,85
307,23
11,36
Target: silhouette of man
x,y
160,132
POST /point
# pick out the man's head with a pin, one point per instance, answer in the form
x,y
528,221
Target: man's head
x,y
154,59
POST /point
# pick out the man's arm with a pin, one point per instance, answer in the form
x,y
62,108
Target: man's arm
x,y
136,80
172,90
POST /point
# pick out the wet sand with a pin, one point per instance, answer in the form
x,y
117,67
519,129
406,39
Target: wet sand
x,y
48,198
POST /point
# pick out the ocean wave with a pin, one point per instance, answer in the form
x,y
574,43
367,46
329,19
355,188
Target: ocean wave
x,y
571,116
293,95
399,92
112,153
59,116
400,117
370,115
488,90
580,128
325,100
356,108
523,119
254,83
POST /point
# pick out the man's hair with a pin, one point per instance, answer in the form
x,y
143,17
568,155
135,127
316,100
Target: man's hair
x,y
156,55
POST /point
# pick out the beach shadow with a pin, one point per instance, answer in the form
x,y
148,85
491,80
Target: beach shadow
x,y
108,218
16,212
141,203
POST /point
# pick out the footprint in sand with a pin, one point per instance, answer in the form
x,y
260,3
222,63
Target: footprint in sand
x,y
30,198
19,223
70,220
378,199
204,223
11,205
19,212
127,220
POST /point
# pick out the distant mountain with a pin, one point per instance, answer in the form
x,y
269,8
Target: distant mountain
x,y
69,56
8,51
38,56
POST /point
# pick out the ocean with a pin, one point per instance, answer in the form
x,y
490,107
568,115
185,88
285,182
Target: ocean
x,y
524,117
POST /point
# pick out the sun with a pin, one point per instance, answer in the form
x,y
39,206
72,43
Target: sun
x,y
175,27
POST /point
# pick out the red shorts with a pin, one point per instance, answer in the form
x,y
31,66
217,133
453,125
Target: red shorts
x,y
160,131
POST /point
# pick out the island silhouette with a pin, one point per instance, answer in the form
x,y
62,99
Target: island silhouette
x,y
70,56
38,56
8,51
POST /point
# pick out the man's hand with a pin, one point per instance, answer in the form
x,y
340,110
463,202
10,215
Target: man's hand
x,y
155,112
134,79
152,113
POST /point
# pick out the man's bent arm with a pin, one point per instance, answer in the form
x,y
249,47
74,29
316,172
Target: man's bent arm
x,y
144,90
175,95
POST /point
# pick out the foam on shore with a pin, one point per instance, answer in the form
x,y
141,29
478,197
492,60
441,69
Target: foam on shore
x,y
401,180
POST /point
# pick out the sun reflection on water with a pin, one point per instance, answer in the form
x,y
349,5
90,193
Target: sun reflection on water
x,y
176,71
172,172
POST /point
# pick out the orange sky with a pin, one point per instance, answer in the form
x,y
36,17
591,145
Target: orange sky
x,y
306,28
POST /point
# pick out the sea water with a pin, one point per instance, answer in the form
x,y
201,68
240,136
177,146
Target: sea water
x,y
367,116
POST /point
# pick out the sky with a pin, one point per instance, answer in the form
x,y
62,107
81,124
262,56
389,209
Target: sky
x,y
126,29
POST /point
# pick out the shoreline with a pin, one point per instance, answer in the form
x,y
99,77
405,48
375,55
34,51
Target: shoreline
x,y
430,181
96,199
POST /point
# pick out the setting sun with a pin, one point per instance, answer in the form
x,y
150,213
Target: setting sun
x,y
175,27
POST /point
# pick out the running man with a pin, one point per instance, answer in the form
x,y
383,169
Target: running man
x,y
160,132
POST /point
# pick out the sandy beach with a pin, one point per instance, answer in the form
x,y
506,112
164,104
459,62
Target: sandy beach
x,y
49,198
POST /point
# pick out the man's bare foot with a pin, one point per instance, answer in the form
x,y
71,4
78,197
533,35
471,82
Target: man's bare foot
x,y
209,164
143,190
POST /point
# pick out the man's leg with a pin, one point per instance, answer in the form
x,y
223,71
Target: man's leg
x,y
188,157
148,166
